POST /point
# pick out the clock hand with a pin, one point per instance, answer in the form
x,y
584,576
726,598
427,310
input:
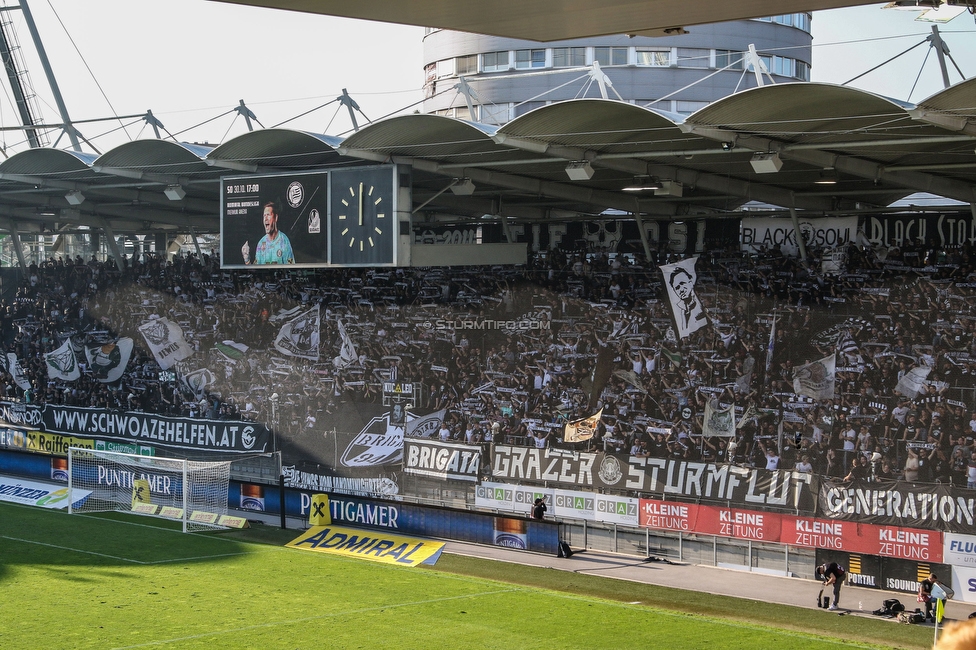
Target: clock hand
x,y
360,204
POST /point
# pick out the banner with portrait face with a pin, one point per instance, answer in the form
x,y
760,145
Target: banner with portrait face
x,y
680,279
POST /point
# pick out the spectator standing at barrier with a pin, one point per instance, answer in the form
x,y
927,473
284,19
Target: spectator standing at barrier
x,y
833,574
539,508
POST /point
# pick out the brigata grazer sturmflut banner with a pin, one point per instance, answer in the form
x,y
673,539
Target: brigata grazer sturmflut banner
x,y
931,506
232,436
749,487
441,460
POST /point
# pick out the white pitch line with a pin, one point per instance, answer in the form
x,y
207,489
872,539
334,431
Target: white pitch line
x,y
365,610
76,550
122,559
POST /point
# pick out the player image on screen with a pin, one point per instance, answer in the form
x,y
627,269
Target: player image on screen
x,y
274,247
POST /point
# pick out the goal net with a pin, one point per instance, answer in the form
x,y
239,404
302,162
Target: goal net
x,y
194,492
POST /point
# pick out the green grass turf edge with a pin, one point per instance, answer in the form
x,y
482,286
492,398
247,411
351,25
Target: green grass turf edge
x,y
868,631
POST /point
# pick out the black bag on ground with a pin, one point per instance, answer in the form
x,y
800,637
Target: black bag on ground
x,y
889,608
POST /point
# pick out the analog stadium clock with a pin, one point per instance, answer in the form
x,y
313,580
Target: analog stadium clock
x,y
363,218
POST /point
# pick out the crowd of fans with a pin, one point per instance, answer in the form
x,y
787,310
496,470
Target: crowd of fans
x,y
511,354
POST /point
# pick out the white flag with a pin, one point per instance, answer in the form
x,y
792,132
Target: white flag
x,y
13,367
107,362
165,340
61,364
913,381
299,336
426,426
583,429
816,380
689,313
347,351
718,421
197,381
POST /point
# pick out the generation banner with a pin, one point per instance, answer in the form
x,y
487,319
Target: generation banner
x,y
894,503
731,484
180,433
441,460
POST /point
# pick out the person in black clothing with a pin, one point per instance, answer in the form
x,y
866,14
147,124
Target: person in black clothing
x,y
832,574
925,595
539,508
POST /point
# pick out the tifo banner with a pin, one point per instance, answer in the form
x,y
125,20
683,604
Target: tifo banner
x,y
898,230
894,503
778,234
441,460
370,545
382,486
180,433
43,495
748,487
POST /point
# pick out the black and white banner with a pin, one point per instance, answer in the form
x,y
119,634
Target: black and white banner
x,y
680,280
741,486
177,433
778,234
441,460
897,503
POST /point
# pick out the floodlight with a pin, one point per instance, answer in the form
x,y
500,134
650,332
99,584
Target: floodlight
x,y
463,187
74,197
579,171
766,163
828,176
174,192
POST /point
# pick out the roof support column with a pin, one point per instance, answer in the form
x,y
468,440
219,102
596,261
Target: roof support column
x,y
18,248
113,245
196,244
640,229
796,231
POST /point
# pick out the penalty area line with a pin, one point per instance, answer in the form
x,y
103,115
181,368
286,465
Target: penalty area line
x,y
354,612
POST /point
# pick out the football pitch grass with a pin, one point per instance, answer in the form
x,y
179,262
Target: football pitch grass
x,y
112,581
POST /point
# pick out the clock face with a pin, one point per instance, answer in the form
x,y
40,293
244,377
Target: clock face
x,y
363,220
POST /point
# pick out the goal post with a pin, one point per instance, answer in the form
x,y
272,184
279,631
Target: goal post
x,y
193,492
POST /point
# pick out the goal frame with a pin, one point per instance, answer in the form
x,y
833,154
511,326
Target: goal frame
x,y
183,468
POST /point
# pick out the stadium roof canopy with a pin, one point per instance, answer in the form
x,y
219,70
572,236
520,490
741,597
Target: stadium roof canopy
x,y
554,20
774,145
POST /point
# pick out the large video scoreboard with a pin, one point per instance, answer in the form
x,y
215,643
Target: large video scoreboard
x,y
339,217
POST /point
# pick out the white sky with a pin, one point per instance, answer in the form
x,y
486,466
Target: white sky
x,y
190,61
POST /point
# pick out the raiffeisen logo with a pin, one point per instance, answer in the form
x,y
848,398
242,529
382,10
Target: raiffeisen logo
x,y
54,497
